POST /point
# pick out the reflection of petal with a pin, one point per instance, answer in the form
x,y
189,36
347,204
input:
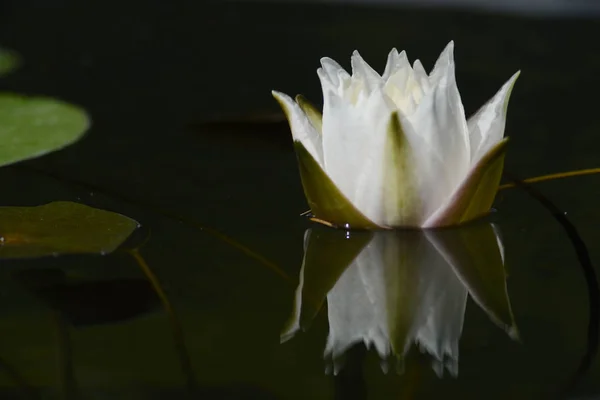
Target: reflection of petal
x,y
393,289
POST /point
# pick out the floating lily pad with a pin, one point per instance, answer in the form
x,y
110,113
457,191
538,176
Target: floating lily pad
x,y
33,126
9,61
61,228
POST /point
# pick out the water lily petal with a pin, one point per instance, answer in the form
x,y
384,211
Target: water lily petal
x,y
326,83
326,201
368,162
302,129
442,127
401,84
486,126
363,71
395,62
444,61
314,115
421,76
349,133
334,71
475,195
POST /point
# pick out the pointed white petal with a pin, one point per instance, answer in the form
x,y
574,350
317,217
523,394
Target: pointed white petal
x,y
333,70
363,71
444,152
421,75
445,60
404,85
486,126
326,83
353,144
302,129
395,62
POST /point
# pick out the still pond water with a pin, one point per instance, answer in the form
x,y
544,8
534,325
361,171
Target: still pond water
x,y
225,291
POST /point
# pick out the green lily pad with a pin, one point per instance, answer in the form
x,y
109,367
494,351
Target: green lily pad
x,y
33,126
9,61
61,228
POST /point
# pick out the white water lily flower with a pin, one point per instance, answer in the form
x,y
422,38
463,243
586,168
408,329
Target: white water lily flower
x,y
396,150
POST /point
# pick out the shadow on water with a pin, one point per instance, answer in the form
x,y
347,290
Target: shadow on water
x,y
90,303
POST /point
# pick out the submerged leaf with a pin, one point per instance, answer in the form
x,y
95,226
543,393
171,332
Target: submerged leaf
x,y
9,61
99,302
33,126
61,228
324,198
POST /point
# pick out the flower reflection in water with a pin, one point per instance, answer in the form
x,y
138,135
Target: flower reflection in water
x,y
393,289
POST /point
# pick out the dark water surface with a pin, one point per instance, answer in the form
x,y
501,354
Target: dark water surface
x,y
152,75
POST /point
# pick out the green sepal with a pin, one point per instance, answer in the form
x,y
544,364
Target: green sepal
x,y
475,196
324,198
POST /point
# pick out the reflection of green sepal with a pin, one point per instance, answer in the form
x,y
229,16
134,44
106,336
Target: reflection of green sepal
x,y
314,115
324,198
327,255
474,254
475,196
